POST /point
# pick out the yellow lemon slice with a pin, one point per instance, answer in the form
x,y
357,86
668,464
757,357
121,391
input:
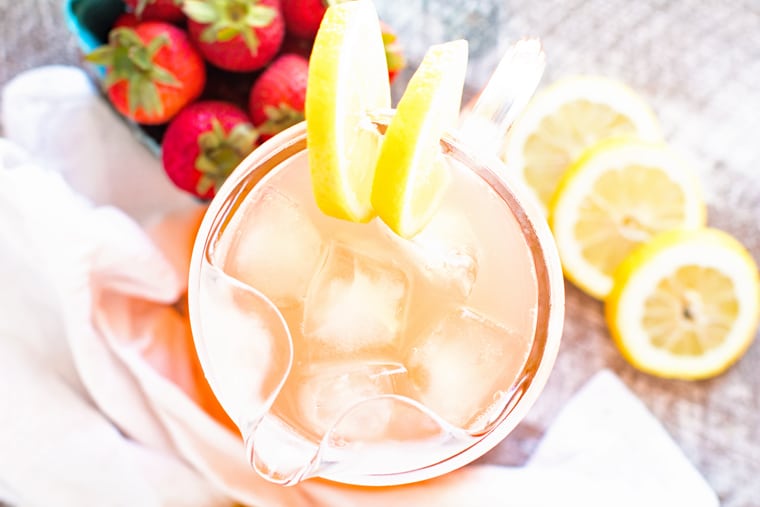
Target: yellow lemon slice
x,y
616,196
411,173
561,121
348,76
686,304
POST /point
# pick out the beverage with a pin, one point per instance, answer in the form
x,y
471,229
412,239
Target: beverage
x,y
367,296
343,350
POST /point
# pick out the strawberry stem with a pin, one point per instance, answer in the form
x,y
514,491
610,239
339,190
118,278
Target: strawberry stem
x,y
221,152
128,59
227,19
279,118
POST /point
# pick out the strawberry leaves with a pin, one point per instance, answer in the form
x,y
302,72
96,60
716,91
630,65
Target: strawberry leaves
x,y
129,59
279,118
226,19
220,152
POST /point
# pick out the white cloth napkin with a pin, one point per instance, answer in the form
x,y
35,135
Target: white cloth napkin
x,y
84,419
57,114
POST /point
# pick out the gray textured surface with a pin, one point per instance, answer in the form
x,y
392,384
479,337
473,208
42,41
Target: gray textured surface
x,y
698,64
33,33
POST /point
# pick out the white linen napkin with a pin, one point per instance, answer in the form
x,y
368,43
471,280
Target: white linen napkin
x,y
86,421
57,114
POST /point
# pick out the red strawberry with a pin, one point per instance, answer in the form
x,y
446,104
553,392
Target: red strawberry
x,y
204,143
127,20
394,53
302,17
277,97
157,10
236,35
152,71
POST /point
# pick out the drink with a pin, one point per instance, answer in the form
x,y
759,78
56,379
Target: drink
x,y
368,296
408,357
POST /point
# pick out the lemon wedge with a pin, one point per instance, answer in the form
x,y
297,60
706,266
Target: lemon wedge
x,y
561,121
411,173
686,304
616,196
348,77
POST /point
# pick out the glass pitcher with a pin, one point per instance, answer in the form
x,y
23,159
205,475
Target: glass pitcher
x,y
344,352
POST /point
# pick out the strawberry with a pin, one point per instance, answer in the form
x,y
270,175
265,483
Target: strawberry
x,y
302,17
157,10
394,53
236,35
127,20
277,97
152,71
204,143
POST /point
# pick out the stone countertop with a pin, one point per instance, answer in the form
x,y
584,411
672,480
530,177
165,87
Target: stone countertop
x,y
698,65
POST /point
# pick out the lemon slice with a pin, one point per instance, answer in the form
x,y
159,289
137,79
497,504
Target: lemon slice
x,y
563,120
348,76
615,197
686,304
411,173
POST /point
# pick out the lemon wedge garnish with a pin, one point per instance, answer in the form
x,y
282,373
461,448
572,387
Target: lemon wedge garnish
x,y
686,304
616,196
561,121
348,77
411,174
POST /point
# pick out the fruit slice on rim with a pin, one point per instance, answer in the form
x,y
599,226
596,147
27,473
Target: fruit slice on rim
x,y
348,76
563,120
616,196
411,174
686,304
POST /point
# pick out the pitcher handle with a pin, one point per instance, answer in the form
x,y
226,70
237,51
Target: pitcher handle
x,y
508,90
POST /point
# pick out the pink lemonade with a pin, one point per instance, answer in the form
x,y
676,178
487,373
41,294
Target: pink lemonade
x,y
343,350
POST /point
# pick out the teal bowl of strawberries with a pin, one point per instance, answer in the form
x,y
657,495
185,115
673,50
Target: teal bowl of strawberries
x,y
203,82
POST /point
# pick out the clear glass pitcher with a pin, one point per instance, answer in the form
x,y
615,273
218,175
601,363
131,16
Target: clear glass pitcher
x,y
368,422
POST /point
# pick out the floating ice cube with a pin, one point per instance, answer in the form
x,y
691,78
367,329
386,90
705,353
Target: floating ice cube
x,y
463,365
448,251
275,248
355,303
330,395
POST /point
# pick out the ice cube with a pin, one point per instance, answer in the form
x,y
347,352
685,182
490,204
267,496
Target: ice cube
x,y
275,247
328,398
355,303
448,252
462,365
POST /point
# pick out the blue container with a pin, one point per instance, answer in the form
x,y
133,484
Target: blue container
x,y
90,21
